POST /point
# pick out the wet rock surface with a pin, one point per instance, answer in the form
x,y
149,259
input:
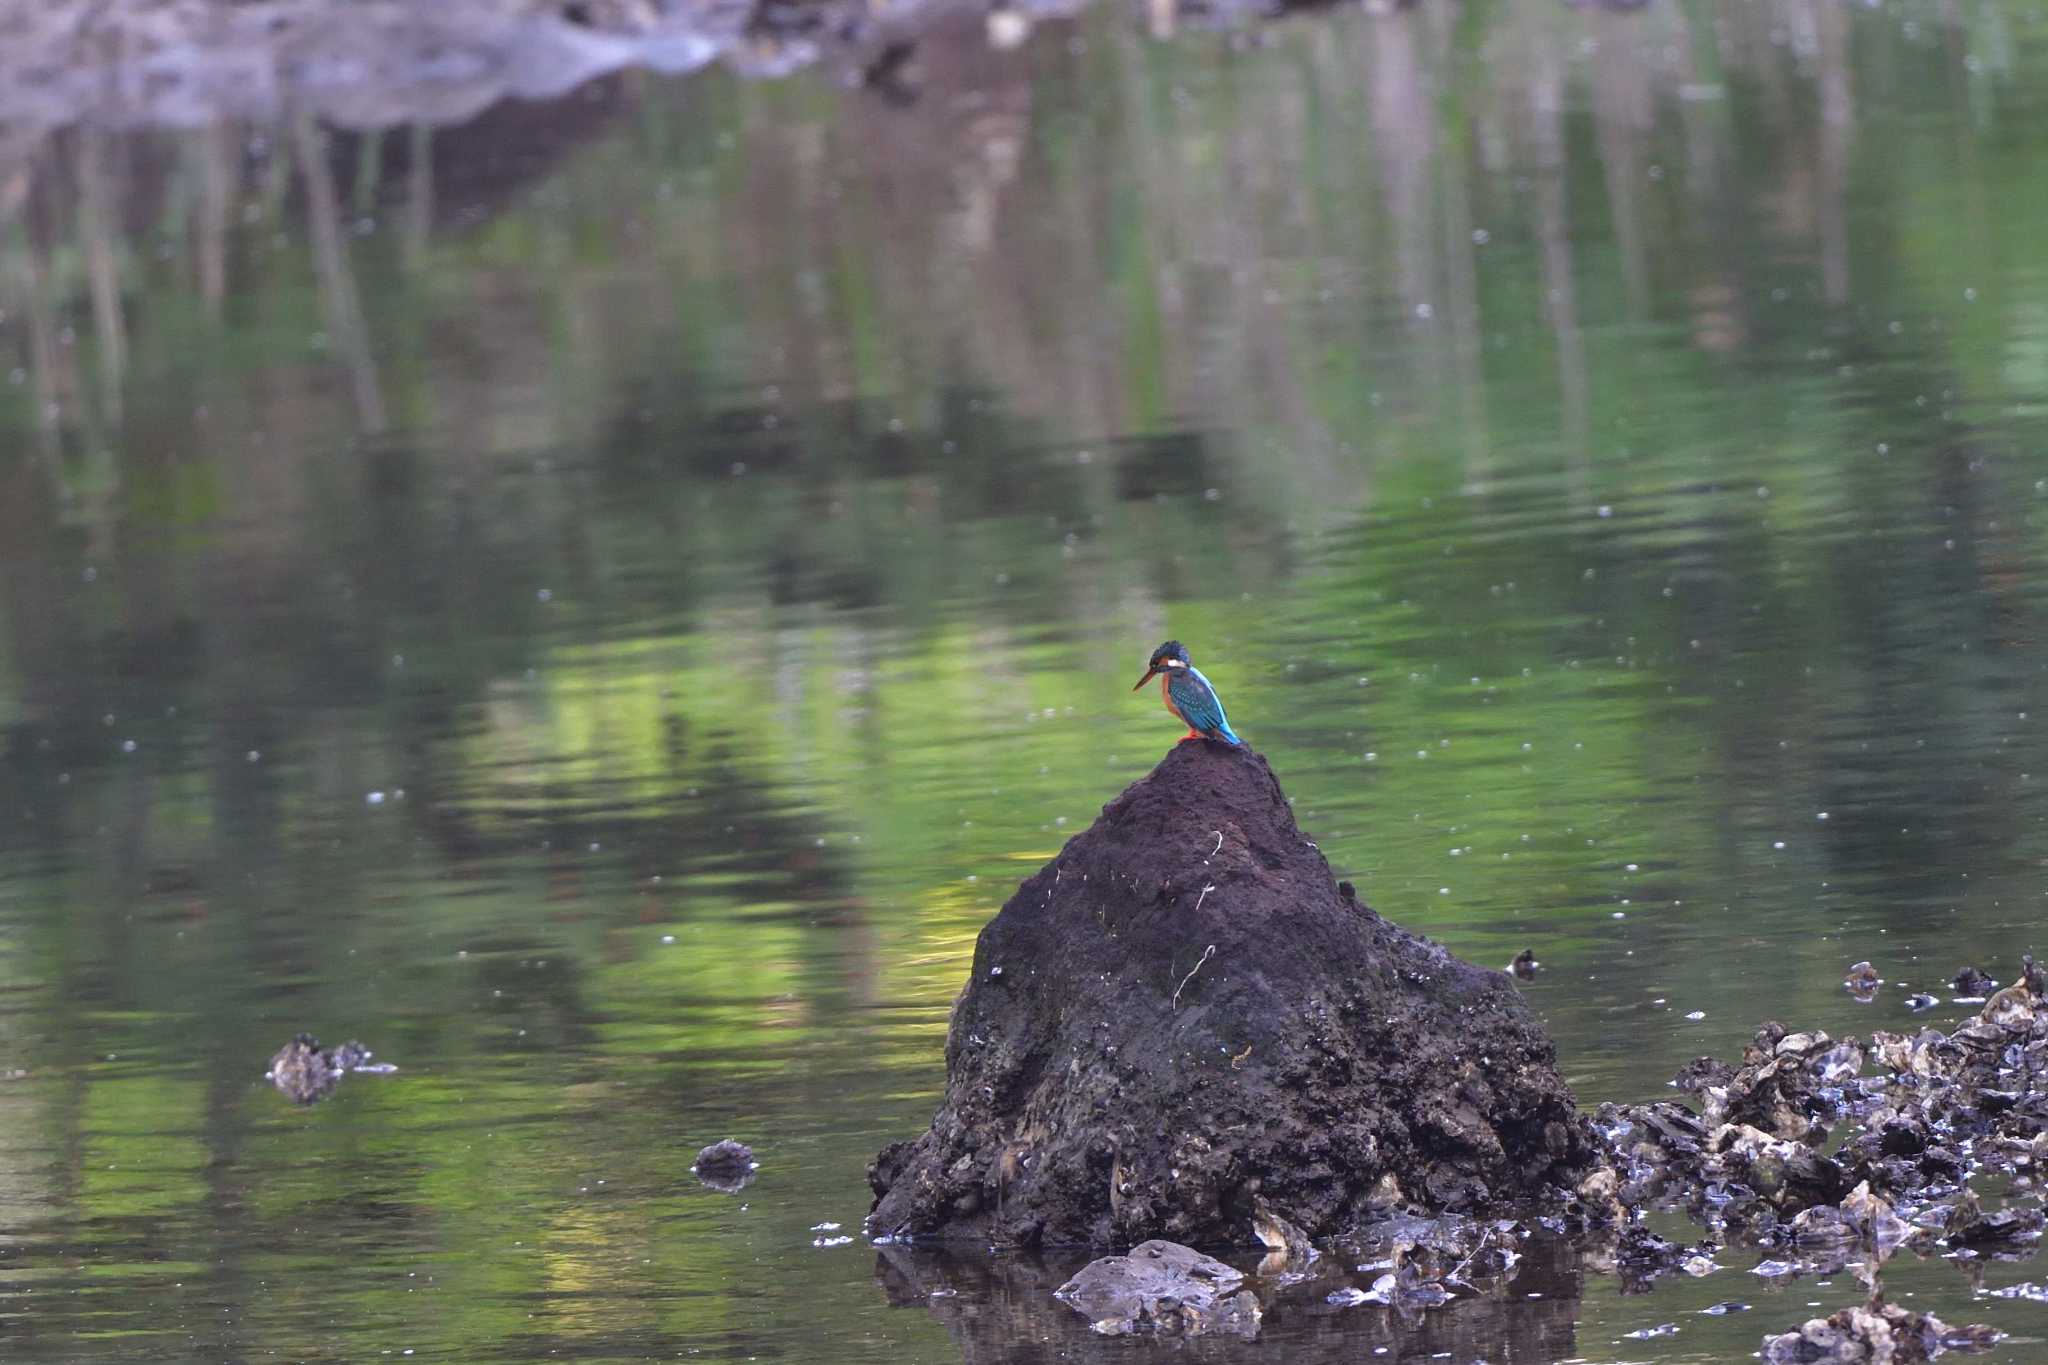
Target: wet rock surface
x,y
308,1072
1180,1028
726,1165
1875,1332
1165,1288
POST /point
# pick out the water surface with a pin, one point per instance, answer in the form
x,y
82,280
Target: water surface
x,y
602,602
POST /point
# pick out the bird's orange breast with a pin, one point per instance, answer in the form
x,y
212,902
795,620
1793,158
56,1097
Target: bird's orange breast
x,y
1166,695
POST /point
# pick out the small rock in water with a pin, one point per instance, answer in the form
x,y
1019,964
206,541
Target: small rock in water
x,y
306,1072
1974,981
726,1166
1724,1308
1163,1288
1525,963
1702,1072
1662,1329
1876,1331
1921,1001
1862,981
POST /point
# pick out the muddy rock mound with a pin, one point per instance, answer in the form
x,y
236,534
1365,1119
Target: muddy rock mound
x,y
1180,1028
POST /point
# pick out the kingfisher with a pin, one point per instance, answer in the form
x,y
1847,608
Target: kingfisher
x,y
1188,694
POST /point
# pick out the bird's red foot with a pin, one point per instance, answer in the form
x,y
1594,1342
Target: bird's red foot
x,y
1192,734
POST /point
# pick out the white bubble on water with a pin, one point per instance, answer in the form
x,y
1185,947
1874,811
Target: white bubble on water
x,y
373,798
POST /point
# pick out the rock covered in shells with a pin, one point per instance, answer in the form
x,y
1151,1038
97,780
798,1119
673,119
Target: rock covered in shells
x,y
1874,1332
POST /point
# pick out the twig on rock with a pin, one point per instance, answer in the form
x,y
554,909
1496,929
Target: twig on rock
x,y
1207,953
1205,895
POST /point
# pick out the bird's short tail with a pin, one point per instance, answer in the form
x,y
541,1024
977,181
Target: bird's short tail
x,y
1227,735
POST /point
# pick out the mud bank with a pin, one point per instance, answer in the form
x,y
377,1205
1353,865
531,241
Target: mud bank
x,y
1181,1028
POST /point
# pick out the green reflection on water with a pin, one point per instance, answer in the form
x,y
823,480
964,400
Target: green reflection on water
x,y
720,524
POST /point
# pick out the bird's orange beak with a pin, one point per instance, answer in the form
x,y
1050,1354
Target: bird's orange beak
x,y
1150,673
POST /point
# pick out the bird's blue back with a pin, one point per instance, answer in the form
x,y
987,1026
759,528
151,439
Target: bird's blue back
x,y
1199,705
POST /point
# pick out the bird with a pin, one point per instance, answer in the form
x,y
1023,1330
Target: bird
x,y
1188,694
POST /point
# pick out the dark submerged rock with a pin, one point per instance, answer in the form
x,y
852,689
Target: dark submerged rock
x,y
1974,982
1168,1034
725,1165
